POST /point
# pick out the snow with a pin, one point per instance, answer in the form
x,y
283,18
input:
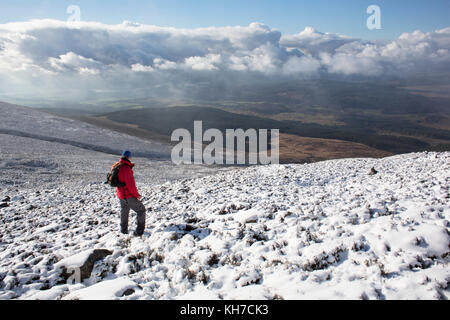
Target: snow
x,y
105,290
327,230
246,216
51,227
32,123
75,261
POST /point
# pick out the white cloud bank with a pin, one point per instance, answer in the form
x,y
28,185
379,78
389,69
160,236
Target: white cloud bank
x,y
50,55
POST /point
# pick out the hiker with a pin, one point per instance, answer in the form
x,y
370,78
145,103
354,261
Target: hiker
x,y
129,196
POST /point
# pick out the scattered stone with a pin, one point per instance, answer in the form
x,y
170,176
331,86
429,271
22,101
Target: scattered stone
x,y
4,205
86,265
373,172
128,292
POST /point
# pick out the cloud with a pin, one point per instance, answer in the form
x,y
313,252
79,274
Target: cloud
x,y
310,41
75,63
131,57
301,65
208,62
338,54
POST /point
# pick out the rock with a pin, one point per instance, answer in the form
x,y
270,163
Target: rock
x,y
17,198
6,199
84,261
4,205
128,292
373,172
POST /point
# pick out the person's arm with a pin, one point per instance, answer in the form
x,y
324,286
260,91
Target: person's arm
x,y
130,184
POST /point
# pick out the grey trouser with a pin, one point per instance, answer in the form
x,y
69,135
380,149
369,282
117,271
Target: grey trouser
x,y
136,205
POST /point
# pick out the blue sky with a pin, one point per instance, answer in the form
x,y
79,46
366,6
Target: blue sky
x,y
289,16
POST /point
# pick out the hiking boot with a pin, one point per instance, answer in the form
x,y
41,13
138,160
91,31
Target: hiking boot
x,y
138,234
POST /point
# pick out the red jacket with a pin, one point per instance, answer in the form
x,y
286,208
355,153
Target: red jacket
x,y
126,175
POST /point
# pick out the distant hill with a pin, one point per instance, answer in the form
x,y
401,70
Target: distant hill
x,y
33,123
386,116
164,121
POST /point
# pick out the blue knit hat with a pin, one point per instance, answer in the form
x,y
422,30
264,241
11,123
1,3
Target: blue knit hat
x,y
126,153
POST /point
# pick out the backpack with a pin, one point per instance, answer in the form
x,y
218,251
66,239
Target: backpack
x,y
112,177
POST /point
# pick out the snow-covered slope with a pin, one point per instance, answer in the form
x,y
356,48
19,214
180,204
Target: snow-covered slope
x,y
32,123
323,230
37,148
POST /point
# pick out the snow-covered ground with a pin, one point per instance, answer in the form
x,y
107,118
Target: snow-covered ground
x,y
37,148
327,230
31,163
27,122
